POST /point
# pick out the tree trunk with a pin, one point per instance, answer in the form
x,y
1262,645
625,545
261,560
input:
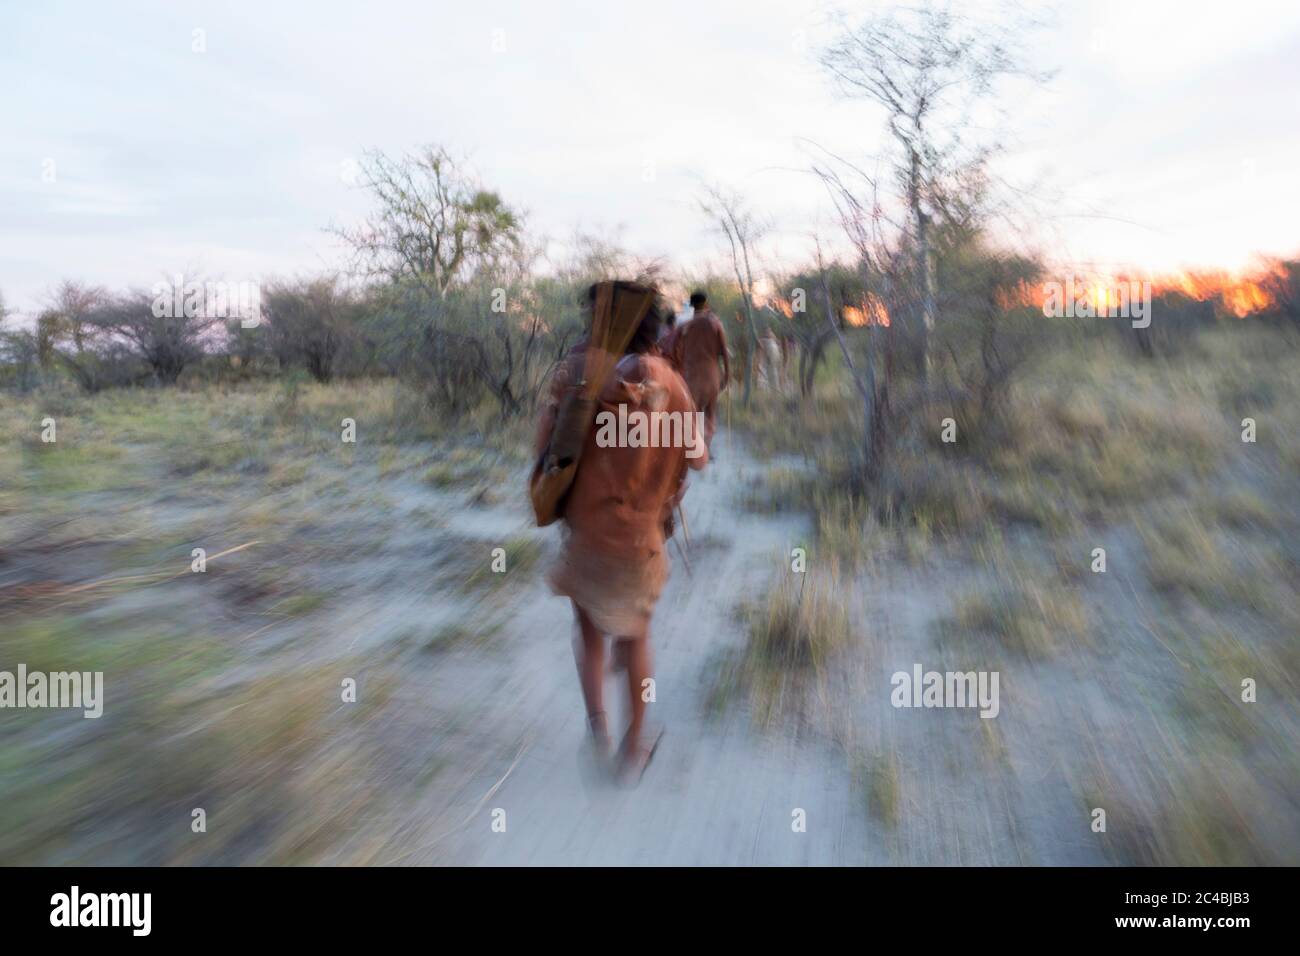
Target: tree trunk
x,y
924,263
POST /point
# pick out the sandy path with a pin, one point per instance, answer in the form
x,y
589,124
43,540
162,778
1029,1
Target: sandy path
x,y
721,792
504,720
717,793
480,707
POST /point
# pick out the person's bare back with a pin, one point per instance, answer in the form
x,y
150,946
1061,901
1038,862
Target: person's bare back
x,y
695,348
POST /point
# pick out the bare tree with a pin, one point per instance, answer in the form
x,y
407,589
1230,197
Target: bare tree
x,y
742,229
18,348
932,71
864,380
434,224
881,264
168,327
69,336
808,325
451,252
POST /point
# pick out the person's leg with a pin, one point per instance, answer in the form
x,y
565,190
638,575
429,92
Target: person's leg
x,y
640,669
589,655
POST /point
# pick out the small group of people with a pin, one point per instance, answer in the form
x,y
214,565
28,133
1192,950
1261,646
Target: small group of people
x,y
619,513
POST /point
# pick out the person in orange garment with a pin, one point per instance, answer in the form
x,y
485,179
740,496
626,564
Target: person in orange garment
x,y
618,517
694,348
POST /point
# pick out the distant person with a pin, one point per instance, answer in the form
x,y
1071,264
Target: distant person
x,y
695,349
618,516
666,330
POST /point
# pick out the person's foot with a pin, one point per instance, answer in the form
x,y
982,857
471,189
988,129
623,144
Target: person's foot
x,y
601,742
598,749
635,754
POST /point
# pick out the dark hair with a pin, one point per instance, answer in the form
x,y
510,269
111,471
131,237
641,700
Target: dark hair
x,y
698,298
646,336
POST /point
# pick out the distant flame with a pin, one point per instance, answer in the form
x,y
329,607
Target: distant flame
x,y
1239,295
1247,297
1018,296
872,311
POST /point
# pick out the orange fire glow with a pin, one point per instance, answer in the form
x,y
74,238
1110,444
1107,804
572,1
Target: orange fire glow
x,y
1232,294
1240,295
1237,295
872,311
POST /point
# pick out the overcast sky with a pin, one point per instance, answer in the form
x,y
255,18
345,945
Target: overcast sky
x,y
1170,136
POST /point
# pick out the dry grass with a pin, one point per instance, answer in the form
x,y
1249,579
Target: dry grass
x,y
793,638
879,776
1034,618
800,625
1093,436
208,700
173,737
521,556
1186,557
1186,810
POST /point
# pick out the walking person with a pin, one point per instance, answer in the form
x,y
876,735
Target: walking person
x,y
618,516
695,349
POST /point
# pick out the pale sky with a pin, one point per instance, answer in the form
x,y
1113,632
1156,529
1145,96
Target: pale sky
x,y
1169,138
